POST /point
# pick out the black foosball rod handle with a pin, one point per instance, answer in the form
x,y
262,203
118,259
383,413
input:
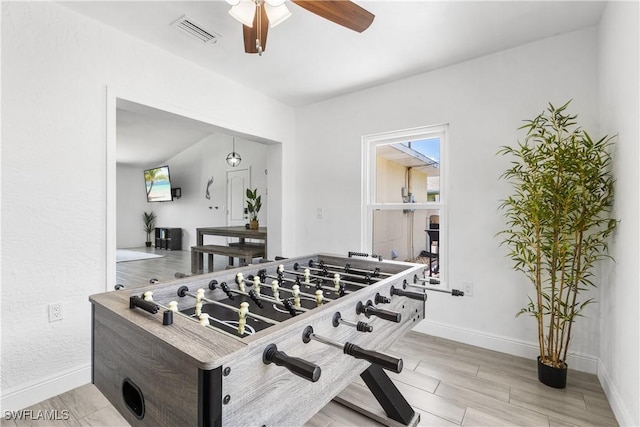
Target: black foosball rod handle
x,y
136,301
297,366
385,361
411,295
370,310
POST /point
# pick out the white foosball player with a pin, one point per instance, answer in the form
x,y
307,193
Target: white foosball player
x,y
242,317
204,319
336,282
280,269
307,276
274,289
173,306
295,291
319,298
240,281
148,296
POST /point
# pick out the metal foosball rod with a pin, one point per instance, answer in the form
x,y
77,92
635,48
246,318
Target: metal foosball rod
x,y
341,290
264,285
360,326
347,268
312,276
167,316
428,280
453,292
345,272
184,291
256,297
385,361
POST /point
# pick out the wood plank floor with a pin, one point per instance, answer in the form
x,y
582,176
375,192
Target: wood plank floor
x,y
448,383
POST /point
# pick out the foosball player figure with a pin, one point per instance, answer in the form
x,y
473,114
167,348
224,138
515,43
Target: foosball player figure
x,y
295,291
204,319
319,297
274,290
256,285
307,277
240,281
242,317
336,282
173,306
148,296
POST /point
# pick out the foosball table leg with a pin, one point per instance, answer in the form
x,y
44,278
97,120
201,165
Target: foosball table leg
x,y
388,395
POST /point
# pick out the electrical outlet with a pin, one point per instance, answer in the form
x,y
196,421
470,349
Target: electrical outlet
x,y
55,312
467,288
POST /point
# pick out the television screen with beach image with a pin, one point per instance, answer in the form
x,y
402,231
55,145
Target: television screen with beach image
x,y
158,184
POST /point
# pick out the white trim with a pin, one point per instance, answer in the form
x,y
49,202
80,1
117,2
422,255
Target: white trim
x,y
620,409
577,361
34,392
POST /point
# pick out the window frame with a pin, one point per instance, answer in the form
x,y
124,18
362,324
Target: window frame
x,y
369,187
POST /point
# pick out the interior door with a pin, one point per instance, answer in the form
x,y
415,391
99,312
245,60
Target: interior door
x,y
238,180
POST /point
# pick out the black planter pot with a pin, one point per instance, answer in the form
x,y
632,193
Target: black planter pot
x,y
553,377
148,244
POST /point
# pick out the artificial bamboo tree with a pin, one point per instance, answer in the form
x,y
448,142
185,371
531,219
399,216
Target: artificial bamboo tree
x,y
558,221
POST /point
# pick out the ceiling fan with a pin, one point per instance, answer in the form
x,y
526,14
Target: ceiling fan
x,y
257,15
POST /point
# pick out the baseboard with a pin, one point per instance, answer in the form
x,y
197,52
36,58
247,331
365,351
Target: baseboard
x,y
579,362
620,410
36,391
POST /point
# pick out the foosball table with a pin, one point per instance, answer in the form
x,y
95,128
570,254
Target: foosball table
x,y
263,345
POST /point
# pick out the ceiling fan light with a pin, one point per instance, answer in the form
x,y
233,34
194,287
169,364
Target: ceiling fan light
x,y
244,12
274,3
233,2
276,14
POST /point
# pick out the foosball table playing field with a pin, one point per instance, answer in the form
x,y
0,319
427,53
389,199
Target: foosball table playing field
x,y
263,345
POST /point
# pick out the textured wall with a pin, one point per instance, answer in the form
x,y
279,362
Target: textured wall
x,y
619,99
56,67
484,102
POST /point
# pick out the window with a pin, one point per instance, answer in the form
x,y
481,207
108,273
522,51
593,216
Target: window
x,y
404,197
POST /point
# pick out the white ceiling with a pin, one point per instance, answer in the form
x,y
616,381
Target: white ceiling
x,y
309,59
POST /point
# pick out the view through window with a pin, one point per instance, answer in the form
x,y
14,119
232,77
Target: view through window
x,y
406,200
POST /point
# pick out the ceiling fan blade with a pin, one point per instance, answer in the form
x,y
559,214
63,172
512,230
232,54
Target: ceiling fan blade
x,y
342,12
251,33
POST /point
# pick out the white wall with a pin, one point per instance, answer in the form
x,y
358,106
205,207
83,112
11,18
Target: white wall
x,y
619,90
130,203
484,101
190,170
193,167
56,68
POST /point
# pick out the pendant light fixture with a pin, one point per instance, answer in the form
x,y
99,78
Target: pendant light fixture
x,y
234,158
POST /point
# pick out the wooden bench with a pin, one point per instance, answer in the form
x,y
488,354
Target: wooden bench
x,y
245,251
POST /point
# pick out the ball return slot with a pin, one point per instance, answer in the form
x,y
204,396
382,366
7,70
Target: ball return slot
x,y
385,361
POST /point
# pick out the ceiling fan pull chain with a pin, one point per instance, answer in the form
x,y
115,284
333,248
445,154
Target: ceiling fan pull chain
x,y
259,4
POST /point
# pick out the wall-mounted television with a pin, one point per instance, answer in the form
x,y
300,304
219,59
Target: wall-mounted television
x,y
158,184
